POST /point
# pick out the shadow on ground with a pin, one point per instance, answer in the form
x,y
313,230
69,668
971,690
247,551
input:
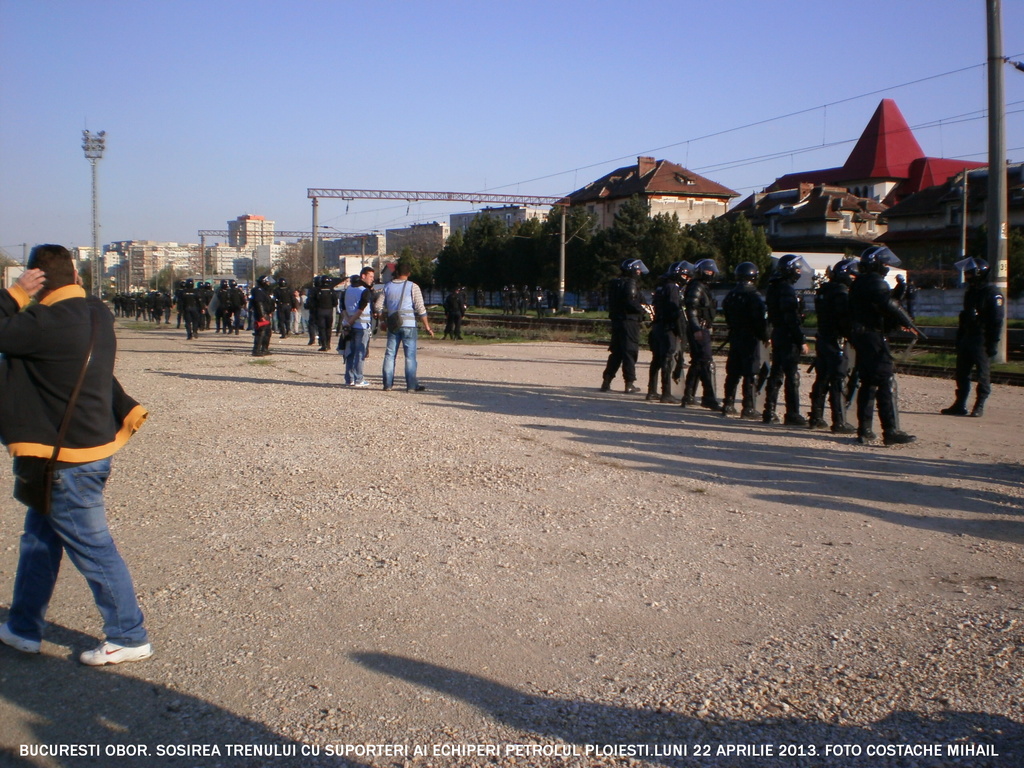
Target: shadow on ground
x,y
60,702
582,723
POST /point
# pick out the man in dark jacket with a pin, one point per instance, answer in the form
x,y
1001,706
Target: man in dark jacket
x,y
667,330
831,362
62,416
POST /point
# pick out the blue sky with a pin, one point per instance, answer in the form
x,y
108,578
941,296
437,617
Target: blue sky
x,y
214,109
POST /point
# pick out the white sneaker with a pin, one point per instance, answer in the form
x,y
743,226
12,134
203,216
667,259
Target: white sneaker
x,y
362,384
111,653
17,642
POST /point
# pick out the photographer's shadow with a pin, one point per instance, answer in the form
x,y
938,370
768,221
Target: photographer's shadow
x,y
50,699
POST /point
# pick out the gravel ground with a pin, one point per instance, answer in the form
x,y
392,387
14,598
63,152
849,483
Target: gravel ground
x,y
515,563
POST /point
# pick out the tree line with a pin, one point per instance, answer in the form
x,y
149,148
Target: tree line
x,y
490,255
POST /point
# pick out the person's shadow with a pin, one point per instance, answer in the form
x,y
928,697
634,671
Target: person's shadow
x,y
52,701
585,723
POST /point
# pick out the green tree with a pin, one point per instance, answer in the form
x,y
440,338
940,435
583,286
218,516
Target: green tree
x,y
421,264
746,244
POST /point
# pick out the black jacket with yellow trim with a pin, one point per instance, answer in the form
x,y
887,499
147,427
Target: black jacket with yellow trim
x,y
44,346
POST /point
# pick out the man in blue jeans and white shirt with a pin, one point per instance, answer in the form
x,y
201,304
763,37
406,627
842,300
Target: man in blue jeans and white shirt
x,y
404,297
45,347
358,315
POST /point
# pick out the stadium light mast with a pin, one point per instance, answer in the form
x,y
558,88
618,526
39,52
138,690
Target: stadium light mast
x,y
94,144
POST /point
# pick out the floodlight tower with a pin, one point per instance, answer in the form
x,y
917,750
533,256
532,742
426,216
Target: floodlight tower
x,y
94,144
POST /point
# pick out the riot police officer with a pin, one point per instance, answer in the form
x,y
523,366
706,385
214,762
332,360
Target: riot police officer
x,y
322,302
261,306
191,307
625,309
873,312
667,329
283,307
205,290
786,317
747,318
977,336
699,308
831,363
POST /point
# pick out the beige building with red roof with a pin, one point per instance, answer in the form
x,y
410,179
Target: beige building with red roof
x,y
667,187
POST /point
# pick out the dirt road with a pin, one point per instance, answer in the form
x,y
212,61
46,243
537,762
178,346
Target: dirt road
x,y
512,568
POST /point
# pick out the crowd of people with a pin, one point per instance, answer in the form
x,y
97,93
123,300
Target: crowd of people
x,y
853,363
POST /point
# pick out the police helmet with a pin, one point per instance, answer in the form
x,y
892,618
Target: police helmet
x,y
190,284
747,272
223,283
181,284
265,281
283,282
878,259
788,268
634,266
845,271
975,270
706,270
233,283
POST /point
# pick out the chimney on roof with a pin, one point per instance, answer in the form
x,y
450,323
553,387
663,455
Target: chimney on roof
x,y
645,165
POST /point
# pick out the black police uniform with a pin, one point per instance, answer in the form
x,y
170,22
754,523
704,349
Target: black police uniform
x,y
625,310
261,308
699,307
786,318
190,304
746,315
831,364
664,338
872,312
283,308
323,313
977,341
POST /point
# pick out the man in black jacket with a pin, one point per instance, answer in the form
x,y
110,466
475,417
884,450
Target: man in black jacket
x,y
62,416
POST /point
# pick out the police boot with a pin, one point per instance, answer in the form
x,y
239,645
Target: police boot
x,y
771,396
891,433
709,399
606,382
689,388
729,397
979,408
631,388
959,407
816,418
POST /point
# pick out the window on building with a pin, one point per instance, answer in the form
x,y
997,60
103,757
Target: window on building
x,y
847,222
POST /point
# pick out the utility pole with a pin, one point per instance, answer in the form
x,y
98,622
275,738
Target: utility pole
x,y
997,214
94,144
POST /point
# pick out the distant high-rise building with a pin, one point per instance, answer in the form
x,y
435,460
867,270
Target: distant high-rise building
x,y
247,231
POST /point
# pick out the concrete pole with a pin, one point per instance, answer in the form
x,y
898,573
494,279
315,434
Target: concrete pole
x,y
561,264
996,220
316,231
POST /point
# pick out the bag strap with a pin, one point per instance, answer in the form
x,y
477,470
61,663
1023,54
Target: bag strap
x,y
66,421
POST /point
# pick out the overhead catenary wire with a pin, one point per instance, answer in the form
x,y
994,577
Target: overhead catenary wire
x,y
743,162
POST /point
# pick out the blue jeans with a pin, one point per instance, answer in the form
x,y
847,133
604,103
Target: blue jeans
x,y
77,523
407,336
355,354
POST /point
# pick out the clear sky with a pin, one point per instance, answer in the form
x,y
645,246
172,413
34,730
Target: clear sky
x,y
214,109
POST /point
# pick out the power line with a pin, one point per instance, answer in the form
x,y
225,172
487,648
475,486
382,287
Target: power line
x,y
754,124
